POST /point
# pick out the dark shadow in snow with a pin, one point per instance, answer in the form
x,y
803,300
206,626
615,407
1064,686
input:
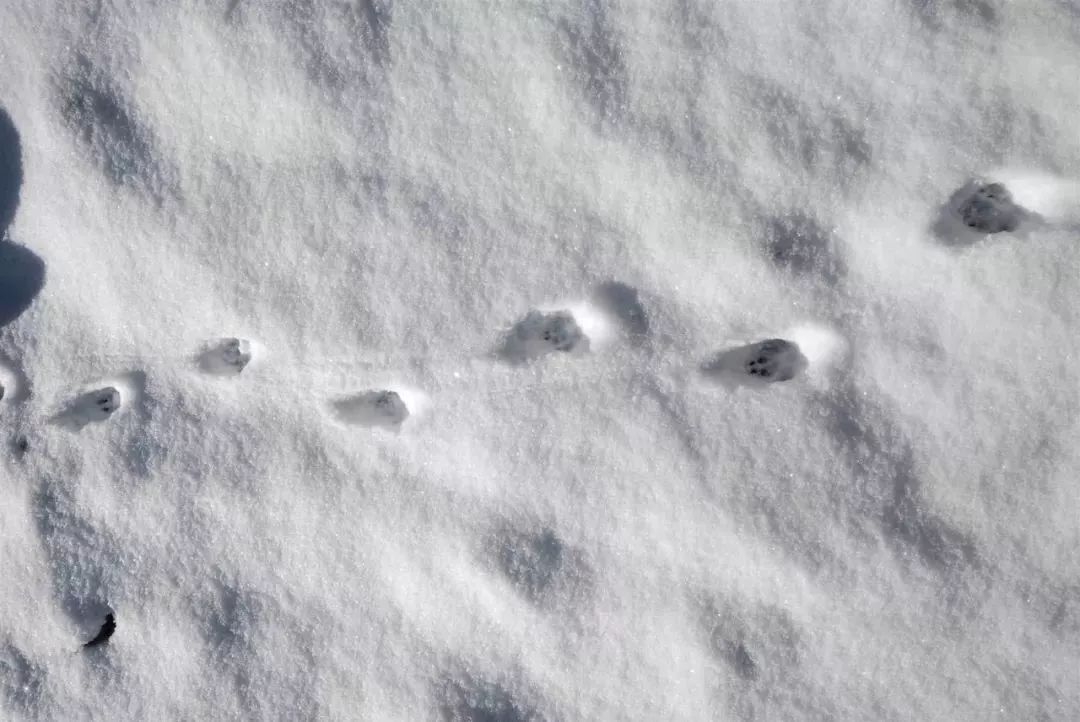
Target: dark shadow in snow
x,y
531,562
879,453
817,138
104,122
22,276
22,272
801,246
75,550
21,680
740,631
377,14
541,566
623,303
11,173
590,47
471,700
934,13
230,10
356,54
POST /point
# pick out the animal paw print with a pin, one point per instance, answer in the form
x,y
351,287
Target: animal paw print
x,y
990,209
228,357
774,360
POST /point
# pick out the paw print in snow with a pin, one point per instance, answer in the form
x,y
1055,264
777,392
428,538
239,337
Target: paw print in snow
x,y
91,407
541,333
383,408
990,209
100,405
228,358
764,362
774,360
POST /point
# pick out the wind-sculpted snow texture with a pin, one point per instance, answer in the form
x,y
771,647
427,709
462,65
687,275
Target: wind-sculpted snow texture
x,y
516,361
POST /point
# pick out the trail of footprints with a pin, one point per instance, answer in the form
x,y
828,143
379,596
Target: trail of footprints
x,y
533,565
536,335
980,207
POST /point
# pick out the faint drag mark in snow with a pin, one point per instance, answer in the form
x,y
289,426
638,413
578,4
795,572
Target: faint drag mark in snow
x,y
22,273
106,126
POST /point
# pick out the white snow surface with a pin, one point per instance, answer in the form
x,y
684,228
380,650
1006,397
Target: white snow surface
x,y
373,195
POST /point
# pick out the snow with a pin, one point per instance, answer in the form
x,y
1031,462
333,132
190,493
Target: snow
x,y
366,199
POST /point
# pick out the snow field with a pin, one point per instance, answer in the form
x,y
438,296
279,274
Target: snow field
x,y
376,199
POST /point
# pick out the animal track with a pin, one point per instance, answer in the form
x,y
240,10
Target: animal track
x,y
541,333
91,407
228,357
990,209
770,361
976,210
381,408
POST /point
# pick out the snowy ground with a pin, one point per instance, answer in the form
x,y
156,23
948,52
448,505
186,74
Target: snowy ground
x,y
375,198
